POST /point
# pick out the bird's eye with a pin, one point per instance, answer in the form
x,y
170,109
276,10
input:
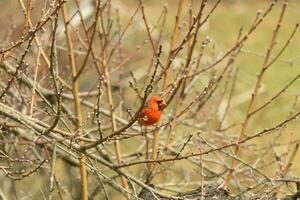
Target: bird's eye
x,y
159,101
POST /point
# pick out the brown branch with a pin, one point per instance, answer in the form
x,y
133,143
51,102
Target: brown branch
x,y
36,28
238,143
77,105
264,67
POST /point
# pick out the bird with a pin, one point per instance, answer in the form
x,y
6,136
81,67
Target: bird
x,y
152,112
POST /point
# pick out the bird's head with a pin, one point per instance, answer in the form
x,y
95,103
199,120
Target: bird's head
x,y
157,102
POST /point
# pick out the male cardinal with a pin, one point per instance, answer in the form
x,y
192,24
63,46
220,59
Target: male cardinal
x,y
152,112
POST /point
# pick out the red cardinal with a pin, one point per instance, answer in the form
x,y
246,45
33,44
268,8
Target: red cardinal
x,y
152,112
